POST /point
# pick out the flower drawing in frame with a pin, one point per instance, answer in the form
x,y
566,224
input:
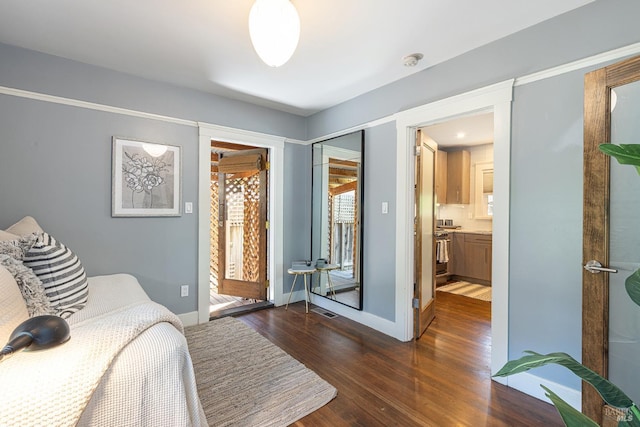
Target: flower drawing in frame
x,y
145,178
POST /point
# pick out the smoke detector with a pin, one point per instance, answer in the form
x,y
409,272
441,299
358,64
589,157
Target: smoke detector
x,y
412,60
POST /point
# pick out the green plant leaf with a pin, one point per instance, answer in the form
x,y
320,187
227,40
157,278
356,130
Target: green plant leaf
x,y
570,416
625,154
609,392
632,285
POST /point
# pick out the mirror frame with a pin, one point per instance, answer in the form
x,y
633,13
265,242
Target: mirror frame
x,y
359,218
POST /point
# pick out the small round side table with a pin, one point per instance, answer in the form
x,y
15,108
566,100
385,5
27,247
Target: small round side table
x,y
304,271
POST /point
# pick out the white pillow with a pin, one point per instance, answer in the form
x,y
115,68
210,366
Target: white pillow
x,y
4,236
13,309
33,293
26,225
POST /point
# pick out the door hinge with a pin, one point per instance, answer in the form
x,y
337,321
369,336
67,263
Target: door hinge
x,y
415,303
267,166
417,152
267,284
266,225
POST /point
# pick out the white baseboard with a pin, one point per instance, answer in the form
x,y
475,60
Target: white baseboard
x,y
189,319
530,384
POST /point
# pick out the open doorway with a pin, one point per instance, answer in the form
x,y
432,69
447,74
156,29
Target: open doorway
x,y
238,229
454,212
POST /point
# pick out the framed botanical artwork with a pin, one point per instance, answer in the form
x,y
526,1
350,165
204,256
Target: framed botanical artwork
x,y
145,178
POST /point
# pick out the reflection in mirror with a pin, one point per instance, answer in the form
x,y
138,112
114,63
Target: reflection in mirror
x,y
484,191
336,236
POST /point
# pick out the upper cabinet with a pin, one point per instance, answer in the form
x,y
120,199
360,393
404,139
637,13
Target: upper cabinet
x,y
441,177
458,177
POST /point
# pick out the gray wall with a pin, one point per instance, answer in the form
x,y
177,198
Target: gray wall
x,y
379,272
56,167
546,221
55,164
297,214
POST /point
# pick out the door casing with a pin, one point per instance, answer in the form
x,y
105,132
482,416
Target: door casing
x,y
275,145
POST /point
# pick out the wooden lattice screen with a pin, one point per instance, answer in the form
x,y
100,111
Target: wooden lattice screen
x,y
238,240
213,228
249,186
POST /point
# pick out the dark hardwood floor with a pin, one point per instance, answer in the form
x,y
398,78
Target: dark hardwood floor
x,y
440,380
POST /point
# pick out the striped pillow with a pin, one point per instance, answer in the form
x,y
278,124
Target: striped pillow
x,y
61,273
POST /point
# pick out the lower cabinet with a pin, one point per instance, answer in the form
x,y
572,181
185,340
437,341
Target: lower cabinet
x,y
472,256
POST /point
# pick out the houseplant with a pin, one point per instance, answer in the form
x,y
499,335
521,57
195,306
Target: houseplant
x,y
626,154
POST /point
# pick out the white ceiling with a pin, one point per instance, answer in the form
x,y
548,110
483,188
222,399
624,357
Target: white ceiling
x,y
465,131
347,47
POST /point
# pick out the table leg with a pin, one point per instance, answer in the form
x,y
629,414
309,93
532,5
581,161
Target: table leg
x,y
331,284
295,276
306,294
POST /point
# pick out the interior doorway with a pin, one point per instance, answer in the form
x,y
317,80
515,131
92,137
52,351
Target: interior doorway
x,y
454,211
238,229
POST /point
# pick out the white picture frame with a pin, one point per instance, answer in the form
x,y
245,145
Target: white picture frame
x,y
146,179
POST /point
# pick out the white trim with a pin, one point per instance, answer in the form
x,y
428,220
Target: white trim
x,y
352,129
93,106
590,61
189,319
530,384
380,324
275,145
500,234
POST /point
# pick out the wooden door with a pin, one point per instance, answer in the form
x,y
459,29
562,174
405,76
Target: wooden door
x,y
441,177
242,224
425,271
611,193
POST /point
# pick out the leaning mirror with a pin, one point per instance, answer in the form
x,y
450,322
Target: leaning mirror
x,y
336,227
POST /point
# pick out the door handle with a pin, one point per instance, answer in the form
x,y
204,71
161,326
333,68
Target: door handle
x,y
595,267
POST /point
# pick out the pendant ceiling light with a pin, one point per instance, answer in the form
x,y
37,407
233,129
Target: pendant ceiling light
x,y
274,27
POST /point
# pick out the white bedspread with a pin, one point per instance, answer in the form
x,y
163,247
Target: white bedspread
x,y
123,366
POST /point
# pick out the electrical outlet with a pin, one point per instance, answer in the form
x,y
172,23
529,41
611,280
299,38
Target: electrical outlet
x,y
184,290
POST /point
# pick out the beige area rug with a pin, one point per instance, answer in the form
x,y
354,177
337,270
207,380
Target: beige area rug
x,y
472,290
245,380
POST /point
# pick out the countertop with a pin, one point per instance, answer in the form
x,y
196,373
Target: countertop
x,y
469,231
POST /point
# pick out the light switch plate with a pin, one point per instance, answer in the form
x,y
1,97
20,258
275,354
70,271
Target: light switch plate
x,y
385,207
188,207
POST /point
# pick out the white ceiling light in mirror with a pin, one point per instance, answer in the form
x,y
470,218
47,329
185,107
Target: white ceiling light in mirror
x,y
274,27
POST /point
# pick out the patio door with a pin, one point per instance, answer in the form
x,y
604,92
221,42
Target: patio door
x,y
611,236
242,224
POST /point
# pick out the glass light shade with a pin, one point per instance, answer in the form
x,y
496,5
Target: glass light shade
x,y
155,150
274,27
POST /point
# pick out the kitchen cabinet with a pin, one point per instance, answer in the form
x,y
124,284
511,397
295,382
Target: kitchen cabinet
x,y
456,254
441,177
472,256
458,177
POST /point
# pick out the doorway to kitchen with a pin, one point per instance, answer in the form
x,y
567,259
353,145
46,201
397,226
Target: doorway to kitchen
x,y
455,193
